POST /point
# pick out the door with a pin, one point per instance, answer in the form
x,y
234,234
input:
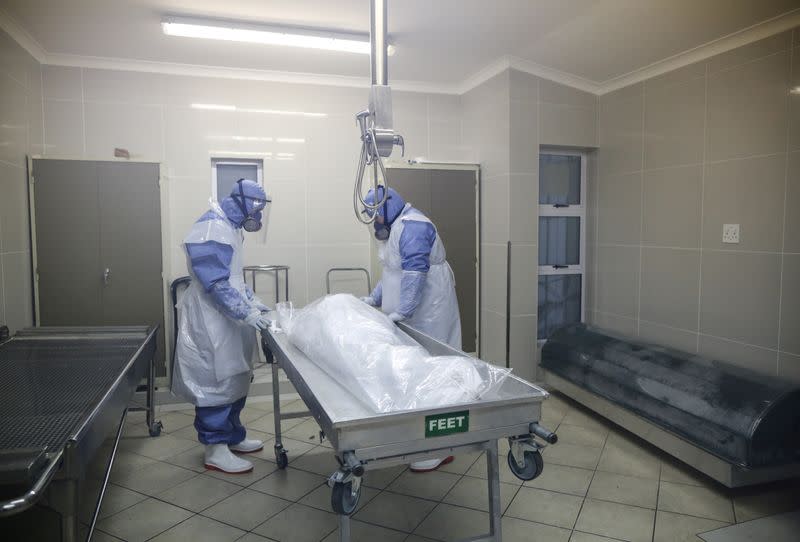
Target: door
x,y
449,197
98,244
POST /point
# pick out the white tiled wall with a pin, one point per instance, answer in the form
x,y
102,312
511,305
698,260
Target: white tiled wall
x,y
20,134
88,113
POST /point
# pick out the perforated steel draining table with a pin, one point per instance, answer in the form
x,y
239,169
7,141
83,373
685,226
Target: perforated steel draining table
x,y
363,440
64,393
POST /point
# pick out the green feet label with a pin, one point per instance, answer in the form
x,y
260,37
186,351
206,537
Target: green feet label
x,y
438,425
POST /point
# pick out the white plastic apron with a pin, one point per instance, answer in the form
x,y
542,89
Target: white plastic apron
x,y
214,353
437,313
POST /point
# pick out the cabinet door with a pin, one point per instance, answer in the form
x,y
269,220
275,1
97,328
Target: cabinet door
x,y
130,246
67,229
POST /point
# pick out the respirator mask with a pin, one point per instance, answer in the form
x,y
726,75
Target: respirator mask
x,y
258,216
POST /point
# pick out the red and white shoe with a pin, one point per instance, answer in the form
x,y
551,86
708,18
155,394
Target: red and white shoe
x,y
430,464
247,446
219,457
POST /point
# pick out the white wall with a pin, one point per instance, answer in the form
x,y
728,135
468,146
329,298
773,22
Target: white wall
x,y
87,113
20,134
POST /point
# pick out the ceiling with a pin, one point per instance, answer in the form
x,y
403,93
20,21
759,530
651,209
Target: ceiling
x,y
439,42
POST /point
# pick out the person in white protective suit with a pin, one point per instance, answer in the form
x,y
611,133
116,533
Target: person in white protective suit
x,y
216,318
417,286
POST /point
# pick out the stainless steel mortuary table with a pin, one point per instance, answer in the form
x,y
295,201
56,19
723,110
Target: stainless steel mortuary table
x,y
64,393
363,440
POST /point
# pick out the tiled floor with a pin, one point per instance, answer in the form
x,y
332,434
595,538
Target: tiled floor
x,y
599,484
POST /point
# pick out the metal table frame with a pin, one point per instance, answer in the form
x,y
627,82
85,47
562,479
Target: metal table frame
x,y
66,465
277,269
385,440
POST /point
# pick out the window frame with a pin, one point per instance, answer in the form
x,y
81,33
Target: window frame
x,y
579,211
221,161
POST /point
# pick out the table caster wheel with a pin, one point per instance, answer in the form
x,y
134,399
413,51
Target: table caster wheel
x,y
343,501
155,428
281,459
533,465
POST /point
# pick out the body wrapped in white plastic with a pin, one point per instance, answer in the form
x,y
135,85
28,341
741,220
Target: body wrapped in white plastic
x,y
366,353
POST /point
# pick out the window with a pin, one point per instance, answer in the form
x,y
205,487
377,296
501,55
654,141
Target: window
x,y
226,171
562,245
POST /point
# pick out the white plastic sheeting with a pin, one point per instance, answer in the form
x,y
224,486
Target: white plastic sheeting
x,y
365,352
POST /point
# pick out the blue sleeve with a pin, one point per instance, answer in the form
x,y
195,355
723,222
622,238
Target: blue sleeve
x,y
416,243
210,263
249,292
411,286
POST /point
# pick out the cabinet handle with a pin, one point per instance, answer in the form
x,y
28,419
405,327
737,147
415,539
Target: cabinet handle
x,y
106,276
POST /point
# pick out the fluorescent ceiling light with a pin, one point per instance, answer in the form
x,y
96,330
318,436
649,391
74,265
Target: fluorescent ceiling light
x,y
285,154
267,34
222,107
290,140
795,90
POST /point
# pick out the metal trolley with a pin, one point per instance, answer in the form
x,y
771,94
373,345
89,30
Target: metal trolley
x,y
363,440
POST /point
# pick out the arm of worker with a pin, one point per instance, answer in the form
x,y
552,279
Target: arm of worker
x,y
210,263
375,299
416,243
254,300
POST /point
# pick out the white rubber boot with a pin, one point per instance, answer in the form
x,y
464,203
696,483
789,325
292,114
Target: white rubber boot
x,y
219,457
430,464
247,446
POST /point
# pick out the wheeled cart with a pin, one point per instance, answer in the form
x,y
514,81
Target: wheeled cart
x,y
363,440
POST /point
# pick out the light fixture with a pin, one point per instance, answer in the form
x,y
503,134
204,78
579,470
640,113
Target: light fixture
x,y
795,90
222,107
240,153
267,34
285,154
290,140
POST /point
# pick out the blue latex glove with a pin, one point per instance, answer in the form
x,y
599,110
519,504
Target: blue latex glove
x,y
395,317
411,285
376,295
369,300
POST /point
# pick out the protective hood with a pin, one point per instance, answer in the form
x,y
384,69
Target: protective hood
x,y
391,209
248,196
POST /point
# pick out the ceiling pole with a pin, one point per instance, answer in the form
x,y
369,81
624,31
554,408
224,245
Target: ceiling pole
x,y
379,64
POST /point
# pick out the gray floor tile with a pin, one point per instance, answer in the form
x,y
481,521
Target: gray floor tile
x,y
127,462
246,509
570,455
757,502
616,521
395,511
381,478
674,471
319,460
546,507
289,484
474,493
143,520
585,418
307,431
250,415
578,536
175,420
629,459
563,479
582,436
200,529
518,530
198,493
186,433
607,486
478,470
695,501
679,528
100,536
365,532
425,485
253,537
320,498
118,498
417,538
155,478
261,469
294,449
156,447
461,463
191,459
298,523
450,523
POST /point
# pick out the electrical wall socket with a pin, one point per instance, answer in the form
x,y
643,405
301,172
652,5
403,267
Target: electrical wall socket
x,y
730,233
